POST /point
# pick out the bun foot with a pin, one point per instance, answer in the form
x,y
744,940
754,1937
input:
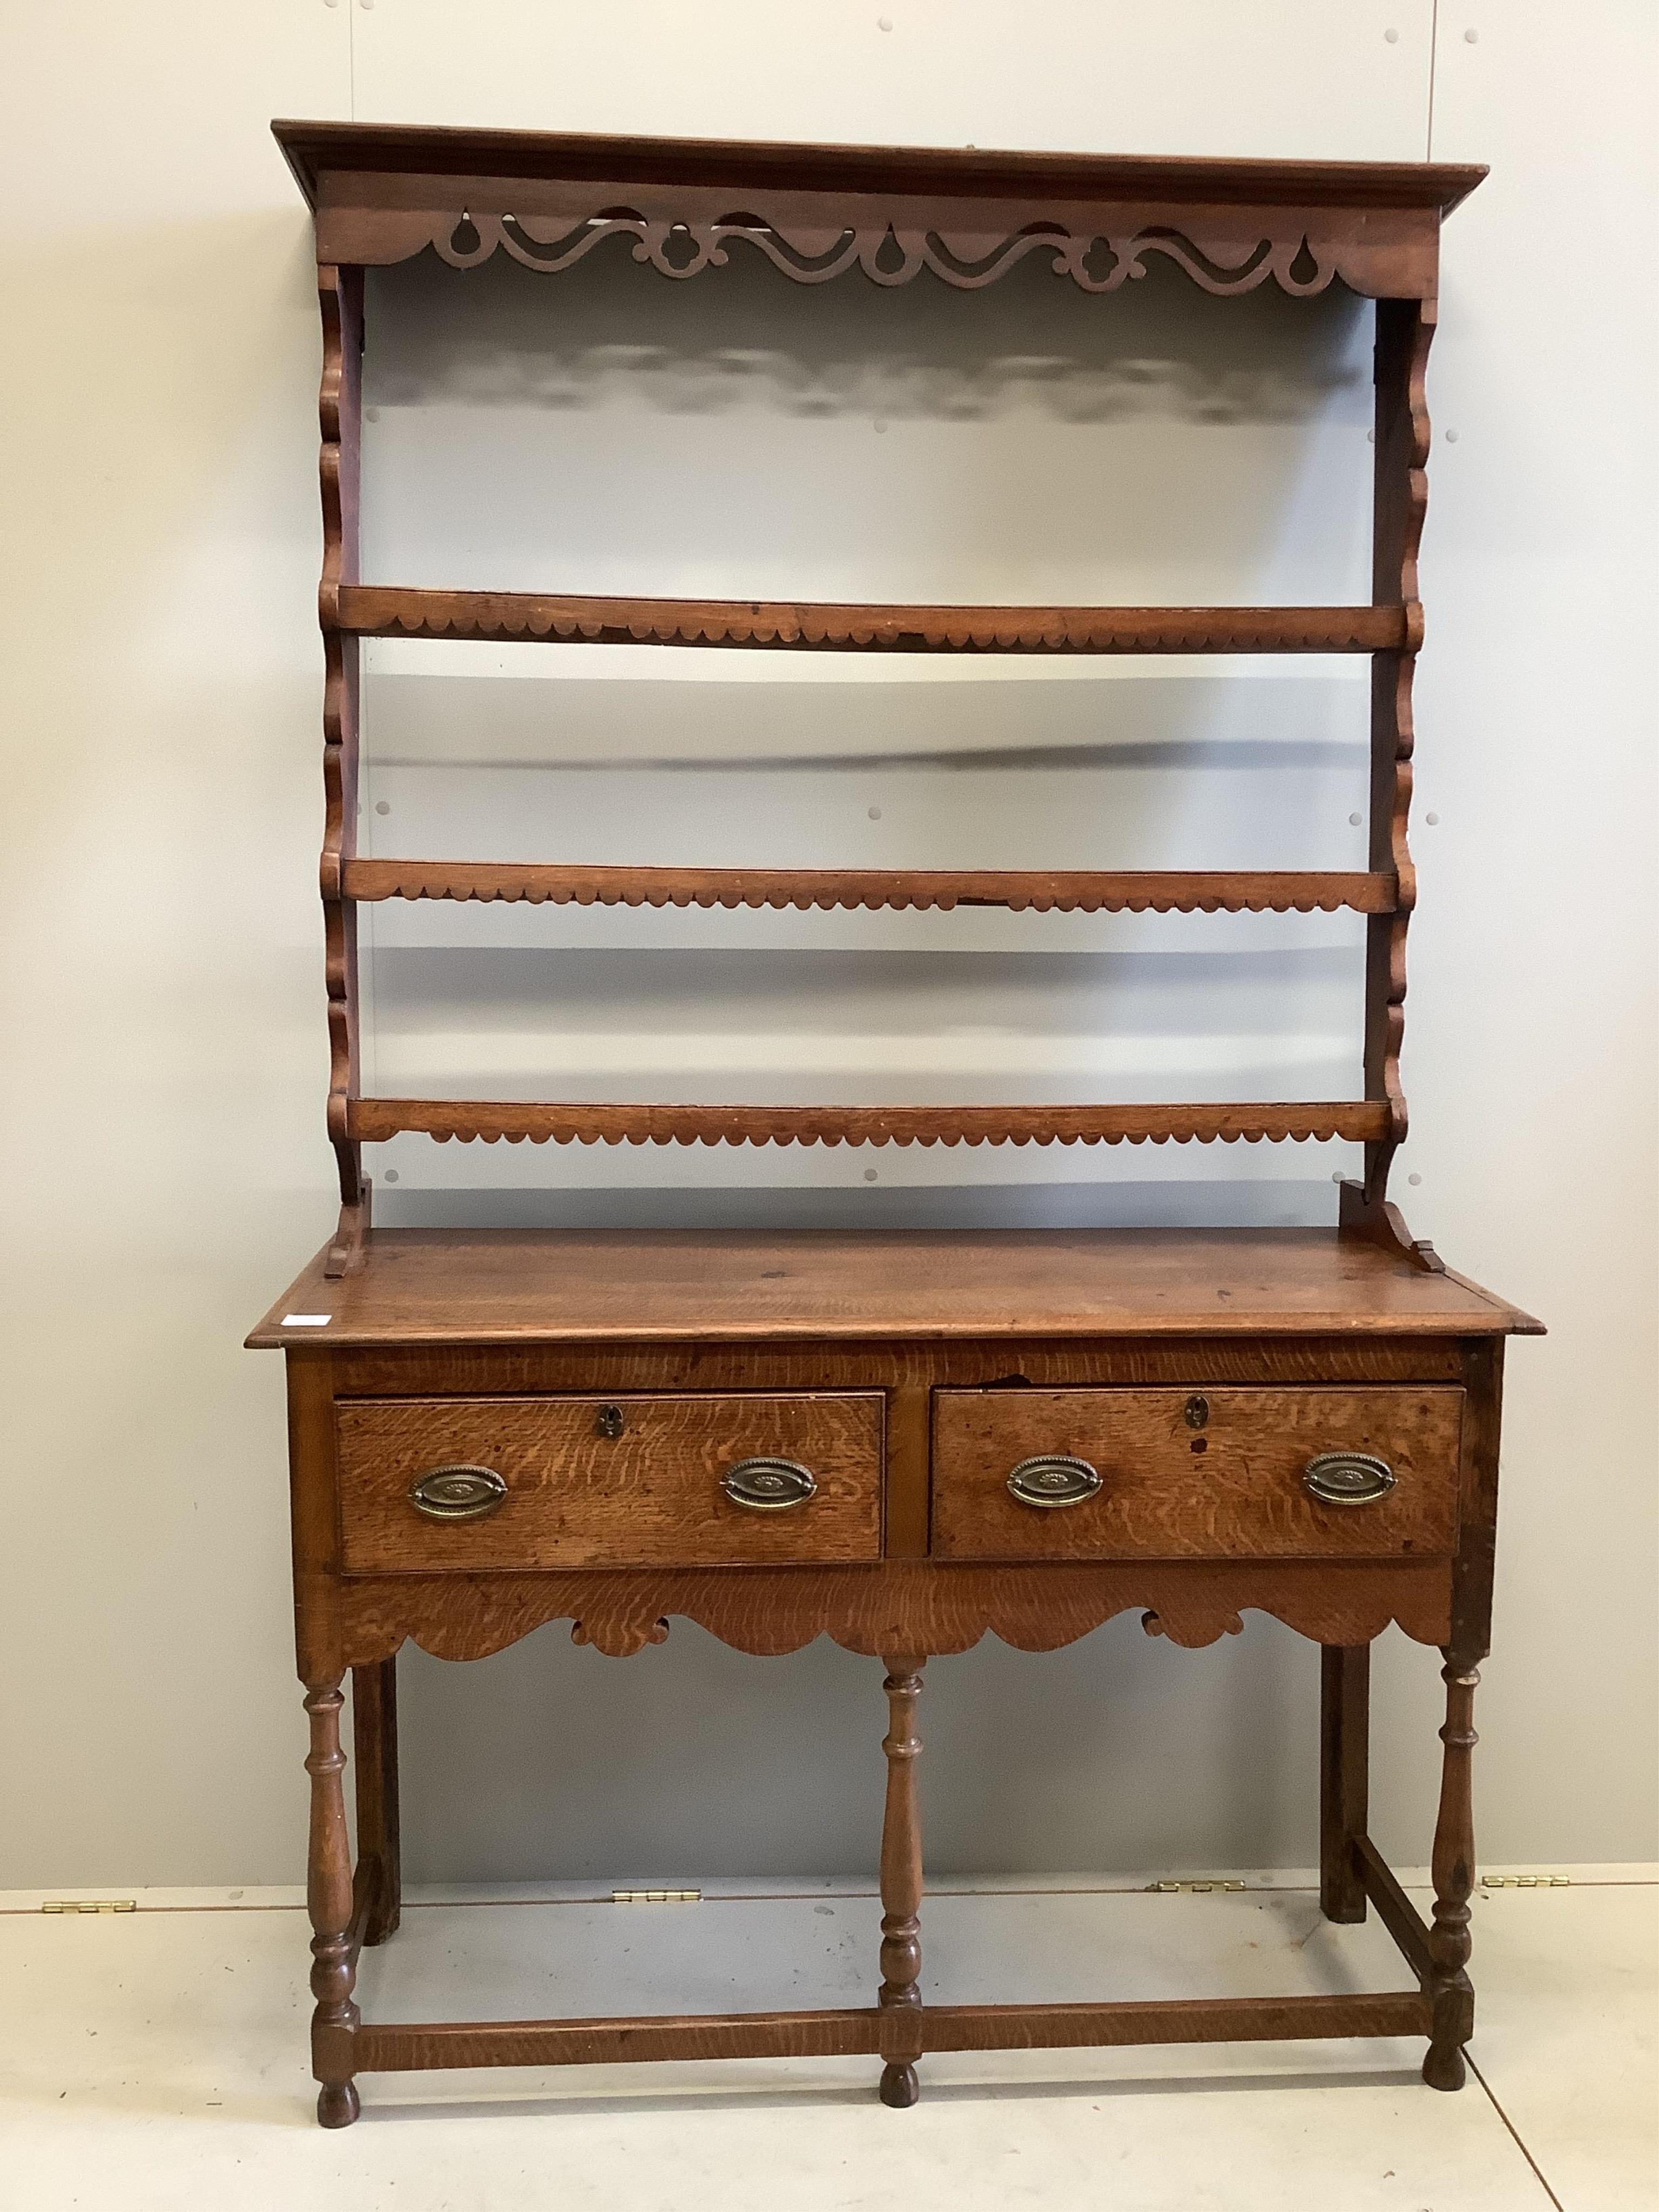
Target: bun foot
x,y
337,2103
1444,2068
899,2087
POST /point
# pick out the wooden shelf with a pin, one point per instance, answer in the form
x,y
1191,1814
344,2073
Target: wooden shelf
x,y
371,1120
1039,890
384,610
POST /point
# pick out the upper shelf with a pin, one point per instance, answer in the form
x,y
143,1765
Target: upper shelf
x,y
385,610
384,191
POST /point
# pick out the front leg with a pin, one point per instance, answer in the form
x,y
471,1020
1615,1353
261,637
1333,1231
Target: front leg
x,y
901,1886
329,1898
1454,1883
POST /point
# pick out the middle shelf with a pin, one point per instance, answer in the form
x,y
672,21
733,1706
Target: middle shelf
x,y
388,611
1058,890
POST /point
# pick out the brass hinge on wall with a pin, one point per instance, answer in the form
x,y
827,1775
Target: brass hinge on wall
x,y
656,1897
1191,1888
1526,1881
90,1904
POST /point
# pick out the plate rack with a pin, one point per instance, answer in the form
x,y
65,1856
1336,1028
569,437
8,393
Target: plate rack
x,y
383,193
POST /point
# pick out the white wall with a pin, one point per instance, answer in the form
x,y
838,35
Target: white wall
x,y
163,989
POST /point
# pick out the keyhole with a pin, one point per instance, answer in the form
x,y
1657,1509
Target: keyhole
x,y
1197,1411
609,1422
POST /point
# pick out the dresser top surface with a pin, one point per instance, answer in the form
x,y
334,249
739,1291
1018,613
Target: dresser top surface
x,y
516,1287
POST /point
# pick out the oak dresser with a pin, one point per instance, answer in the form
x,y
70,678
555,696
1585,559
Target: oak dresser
x,y
901,1441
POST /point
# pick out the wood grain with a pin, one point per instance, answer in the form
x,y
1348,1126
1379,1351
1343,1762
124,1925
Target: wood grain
x,y
1229,1491
396,611
331,1902
319,152
1038,891
455,1346
1394,1908
385,2048
579,1497
1453,1868
964,216
374,1758
340,297
503,1286
1345,1684
492,1121
907,1368
900,1994
1399,504
937,1607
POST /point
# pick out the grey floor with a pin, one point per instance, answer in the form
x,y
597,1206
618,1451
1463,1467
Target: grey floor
x,y
158,2058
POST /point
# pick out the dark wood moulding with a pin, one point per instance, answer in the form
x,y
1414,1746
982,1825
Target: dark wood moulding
x,y
962,216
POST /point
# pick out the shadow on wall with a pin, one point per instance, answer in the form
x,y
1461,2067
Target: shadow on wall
x,y
741,336
1308,1204
615,430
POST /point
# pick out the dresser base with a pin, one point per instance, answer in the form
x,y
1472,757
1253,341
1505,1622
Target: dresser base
x,y
594,1397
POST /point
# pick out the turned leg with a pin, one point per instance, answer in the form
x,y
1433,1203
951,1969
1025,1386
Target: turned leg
x,y
1454,1880
328,1896
375,1756
901,1886
1345,1684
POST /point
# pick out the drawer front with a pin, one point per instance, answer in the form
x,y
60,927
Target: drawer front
x,y
1193,1474
607,1482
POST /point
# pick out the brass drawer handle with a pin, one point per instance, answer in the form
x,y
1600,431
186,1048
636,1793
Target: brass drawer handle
x,y
768,1485
457,1493
1053,1479
1348,1479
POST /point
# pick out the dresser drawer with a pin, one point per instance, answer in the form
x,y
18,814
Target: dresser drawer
x,y
608,1482
1190,1475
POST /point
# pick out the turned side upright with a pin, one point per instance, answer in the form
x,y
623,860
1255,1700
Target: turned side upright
x,y
901,1886
1454,1883
328,1901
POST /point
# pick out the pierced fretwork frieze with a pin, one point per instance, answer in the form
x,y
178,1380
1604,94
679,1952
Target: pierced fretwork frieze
x,y
892,252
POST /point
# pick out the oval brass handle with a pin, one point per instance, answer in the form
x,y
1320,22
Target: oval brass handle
x,y
1053,1478
768,1485
1348,1479
457,1493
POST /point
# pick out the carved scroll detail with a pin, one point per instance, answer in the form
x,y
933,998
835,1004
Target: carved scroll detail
x,y
889,252
467,1121
340,293
767,1612
1404,331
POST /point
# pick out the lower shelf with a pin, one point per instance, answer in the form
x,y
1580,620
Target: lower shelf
x,y
374,1119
